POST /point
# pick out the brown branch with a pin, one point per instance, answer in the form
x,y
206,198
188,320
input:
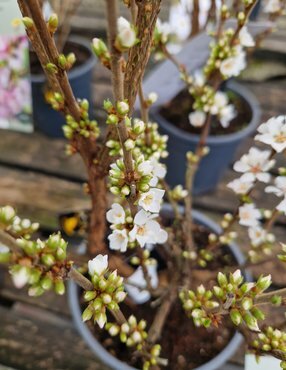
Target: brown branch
x,y
139,54
10,242
195,18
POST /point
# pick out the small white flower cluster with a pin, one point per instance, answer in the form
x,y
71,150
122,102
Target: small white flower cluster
x,y
143,229
273,6
219,107
254,167
234,64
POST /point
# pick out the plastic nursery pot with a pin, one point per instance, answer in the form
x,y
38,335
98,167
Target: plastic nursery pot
x,y
106,358
222,147
46,119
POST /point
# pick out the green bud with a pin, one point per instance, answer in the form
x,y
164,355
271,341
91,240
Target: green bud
x,y
87,314
235,316
247,303
46,283
222,279
89,295
129,144
48,259
51,68
257,313
276,300
107,105
35,291
53,23
28,22
62,61
125,190
60,287
71,59
112,119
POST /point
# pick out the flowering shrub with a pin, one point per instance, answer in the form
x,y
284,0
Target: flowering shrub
x,y
130,159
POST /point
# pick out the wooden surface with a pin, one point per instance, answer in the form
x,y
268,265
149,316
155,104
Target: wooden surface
x,y
38,179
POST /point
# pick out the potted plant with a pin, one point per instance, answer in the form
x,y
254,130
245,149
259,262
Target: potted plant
x,y
233,110
79,58
182,273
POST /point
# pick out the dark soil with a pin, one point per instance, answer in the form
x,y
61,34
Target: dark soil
x,y
80,51
185,345
178,110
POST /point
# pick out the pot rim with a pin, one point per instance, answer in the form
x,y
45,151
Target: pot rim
x,y
106,358
218,139
76,71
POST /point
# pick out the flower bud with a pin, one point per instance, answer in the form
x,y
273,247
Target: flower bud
x,y
89,295
112,119
28,22
122,108
60,287
62,61
235,316
87,314
53,23
129,144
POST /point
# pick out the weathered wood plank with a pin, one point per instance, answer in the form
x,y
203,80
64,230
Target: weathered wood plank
x,y
40,197
34,339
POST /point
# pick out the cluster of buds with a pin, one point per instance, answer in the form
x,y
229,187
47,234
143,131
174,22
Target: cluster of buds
x,y
14,225
198,305
142,174
41,264
232,295
101,51
154,358
65,62
131,332
272,341
108,291
178,193
239,297
85,127
152,144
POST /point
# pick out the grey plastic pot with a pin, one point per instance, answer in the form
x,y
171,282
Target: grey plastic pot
x,y
106,358
222,147
46,119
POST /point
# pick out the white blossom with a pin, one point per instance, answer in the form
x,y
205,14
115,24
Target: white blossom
x,y
126,33
151,200
245,38
227,114
118,240
280,187
282,206
255,165
273,133
20,277
137,283
257,235
240,186
233,65
158,171
249,215
272,6
98,265
197,118
164,29
145,168
116,215
146,230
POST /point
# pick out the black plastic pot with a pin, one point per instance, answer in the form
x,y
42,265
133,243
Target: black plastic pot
x,y
222,147
106,358
47,120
